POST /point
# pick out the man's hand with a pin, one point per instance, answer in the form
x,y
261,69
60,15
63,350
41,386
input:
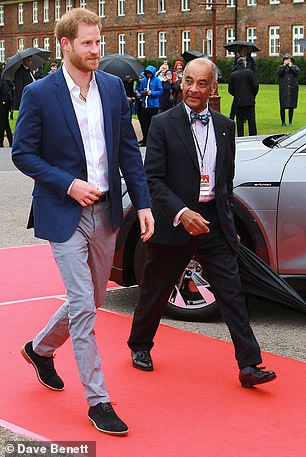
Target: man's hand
x,y
194,223
84,193
146,221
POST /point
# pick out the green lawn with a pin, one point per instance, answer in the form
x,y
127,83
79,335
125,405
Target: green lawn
x,y
267,109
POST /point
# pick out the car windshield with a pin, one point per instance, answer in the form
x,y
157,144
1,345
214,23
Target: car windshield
x,y
294,141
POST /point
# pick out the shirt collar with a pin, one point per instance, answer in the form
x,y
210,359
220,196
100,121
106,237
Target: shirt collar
x,y
188,110
70,83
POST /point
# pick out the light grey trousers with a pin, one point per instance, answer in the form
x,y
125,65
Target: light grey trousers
x,y
85,262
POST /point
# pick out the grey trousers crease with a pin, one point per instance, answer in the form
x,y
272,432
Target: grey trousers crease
x,y
85,262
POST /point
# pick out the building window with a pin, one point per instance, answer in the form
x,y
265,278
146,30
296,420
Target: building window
x,y
230,36
297,32
47,44
185,5
20,13
68,5
209,42
35,12
1,15
102,45
141,45
274,41
57,10
208,4
274,2
251,35
140,6
120,7
46,10
83,4
162,45
252,3
185,40
121,43
161,6
2,50
58,51
298,1
35,43
101,8
231,3
20,44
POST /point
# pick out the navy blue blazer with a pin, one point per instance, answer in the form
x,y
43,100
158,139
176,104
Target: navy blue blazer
x,y
48,147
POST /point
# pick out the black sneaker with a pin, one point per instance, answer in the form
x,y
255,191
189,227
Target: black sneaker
x,y
44,367
251,376
104,418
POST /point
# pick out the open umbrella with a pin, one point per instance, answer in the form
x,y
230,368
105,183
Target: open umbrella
x,y
236,46
260,280
192,54
301,42
39,57
123,65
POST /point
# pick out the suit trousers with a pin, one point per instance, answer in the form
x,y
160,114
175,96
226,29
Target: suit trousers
x,y
85,262
246,113
163,268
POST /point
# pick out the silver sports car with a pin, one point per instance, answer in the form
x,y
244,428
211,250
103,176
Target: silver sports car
x,y
270,216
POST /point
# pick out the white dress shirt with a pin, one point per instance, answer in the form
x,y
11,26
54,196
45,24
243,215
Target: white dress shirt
x,y
89,115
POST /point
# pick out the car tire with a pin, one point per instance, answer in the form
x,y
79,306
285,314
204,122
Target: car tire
x,y
191,300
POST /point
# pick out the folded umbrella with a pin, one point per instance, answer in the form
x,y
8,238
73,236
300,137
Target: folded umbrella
x,y
39,57
258,279
236,46
123,65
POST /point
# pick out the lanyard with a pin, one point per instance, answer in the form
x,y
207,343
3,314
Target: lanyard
x,y
202,154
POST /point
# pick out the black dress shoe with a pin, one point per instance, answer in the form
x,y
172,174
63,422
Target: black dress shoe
x,y
250,376
142,360
44,367
104,418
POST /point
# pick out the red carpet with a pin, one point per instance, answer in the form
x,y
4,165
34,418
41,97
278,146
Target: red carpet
x,y
191,405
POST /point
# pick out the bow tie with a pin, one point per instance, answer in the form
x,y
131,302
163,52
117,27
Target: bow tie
x,y
204,118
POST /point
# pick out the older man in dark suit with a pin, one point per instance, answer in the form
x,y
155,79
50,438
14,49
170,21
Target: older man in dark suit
x,y
190,168
73,136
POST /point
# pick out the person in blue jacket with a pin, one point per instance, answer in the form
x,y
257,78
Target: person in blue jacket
x,y
150,89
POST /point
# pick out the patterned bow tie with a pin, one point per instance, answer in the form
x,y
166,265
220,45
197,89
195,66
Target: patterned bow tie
x,y
204,118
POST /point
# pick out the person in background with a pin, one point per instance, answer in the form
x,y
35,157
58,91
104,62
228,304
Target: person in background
x,y
150,90
250,63
190,161
162,69
177,80
166,99
243,86
178,70
130,93
6,100
23,77
74,137
53,67
288,88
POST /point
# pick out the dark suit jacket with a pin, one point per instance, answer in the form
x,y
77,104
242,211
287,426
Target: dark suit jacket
x,y
174,176
242,84
22,78
49,148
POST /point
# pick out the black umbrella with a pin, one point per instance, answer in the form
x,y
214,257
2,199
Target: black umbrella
x,y
236,46
301,42
39,57
123,65
192,54
260,280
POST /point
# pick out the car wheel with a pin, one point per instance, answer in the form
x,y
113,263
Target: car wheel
x,y
191,299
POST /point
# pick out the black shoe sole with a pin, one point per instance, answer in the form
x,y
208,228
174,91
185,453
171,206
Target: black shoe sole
x,y
30,361
109,432
141,368
263,381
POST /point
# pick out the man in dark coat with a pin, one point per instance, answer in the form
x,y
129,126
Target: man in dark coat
x,y
23,77
190,169
288,87
6,98
242,84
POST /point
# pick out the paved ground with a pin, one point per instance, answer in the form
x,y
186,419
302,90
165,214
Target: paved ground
x,y
279,330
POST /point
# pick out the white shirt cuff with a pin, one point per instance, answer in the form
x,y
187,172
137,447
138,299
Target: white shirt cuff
x,y
176,220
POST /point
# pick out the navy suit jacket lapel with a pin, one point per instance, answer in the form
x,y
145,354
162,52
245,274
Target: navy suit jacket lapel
x,y
65,102
107,113
182,128
221,140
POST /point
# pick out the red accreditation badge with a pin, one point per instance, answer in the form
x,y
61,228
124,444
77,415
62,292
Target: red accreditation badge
x,y
204,187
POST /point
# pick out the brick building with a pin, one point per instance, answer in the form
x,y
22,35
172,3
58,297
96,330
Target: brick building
x,y
153,29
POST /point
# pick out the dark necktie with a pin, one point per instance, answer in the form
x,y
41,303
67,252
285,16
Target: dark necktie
x,y
204,118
